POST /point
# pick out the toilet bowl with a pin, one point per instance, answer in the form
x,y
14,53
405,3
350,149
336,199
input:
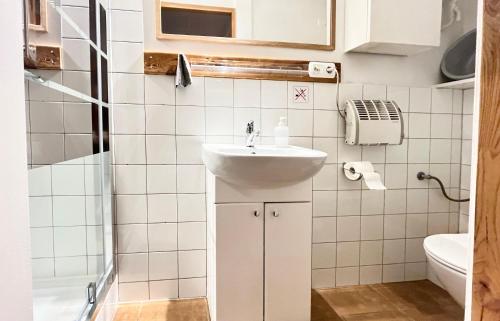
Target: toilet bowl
x,y
447,255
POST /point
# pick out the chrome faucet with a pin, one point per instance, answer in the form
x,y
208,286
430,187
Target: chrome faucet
x,y
252,134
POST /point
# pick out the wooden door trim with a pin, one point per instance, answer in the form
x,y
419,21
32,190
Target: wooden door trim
x,y
486,261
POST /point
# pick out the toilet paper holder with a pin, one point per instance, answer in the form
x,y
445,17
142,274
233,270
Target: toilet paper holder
x,y
350,172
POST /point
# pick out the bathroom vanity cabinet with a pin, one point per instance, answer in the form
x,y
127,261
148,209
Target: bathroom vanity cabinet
x,y
259,252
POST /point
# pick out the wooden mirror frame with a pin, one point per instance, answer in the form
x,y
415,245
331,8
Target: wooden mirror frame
x,y
43,16
163,36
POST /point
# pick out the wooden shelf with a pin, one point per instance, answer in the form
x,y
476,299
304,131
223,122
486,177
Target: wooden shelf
x,y
459,84
156,63
44,57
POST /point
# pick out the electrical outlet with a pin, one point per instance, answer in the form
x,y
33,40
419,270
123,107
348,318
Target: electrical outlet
x,y
322,70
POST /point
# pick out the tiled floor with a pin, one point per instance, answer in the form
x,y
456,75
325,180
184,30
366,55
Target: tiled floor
x,y
406,301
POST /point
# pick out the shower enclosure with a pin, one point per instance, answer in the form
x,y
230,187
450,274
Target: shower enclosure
x,y
70,173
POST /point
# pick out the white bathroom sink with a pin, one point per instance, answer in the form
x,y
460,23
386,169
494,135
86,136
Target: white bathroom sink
x,y
262,166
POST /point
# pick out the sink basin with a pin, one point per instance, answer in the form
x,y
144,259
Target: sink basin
x,y
262,166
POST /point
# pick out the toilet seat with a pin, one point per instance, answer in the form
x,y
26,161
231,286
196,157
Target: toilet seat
x,y
449,250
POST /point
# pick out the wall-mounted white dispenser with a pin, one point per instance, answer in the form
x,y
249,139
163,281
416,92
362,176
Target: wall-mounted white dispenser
x,y
373,122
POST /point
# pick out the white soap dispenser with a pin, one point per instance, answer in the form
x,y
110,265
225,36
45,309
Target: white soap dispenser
x,y
281,133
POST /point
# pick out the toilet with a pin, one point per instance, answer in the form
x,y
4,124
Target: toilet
x,y
447,255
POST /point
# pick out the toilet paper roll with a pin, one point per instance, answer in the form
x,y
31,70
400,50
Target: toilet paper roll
x,y
364,170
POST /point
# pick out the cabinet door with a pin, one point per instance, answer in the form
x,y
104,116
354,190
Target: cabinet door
x,y
239,262
288,262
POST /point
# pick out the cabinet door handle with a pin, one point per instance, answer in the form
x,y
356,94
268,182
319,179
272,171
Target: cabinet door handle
x,y
256,213
276,214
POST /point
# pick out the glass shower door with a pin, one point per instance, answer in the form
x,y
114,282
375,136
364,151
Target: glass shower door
x,y
69,162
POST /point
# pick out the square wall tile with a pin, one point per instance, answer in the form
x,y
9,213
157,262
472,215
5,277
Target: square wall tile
x,y
347,276
370,274
163,266
438,223
347,254
161,179
162,237
415,271
324,255
395,201
190,120
274,94
128,57
246,93
192,264
164,290
131,209
159,90
442,101
191,207
162,208
133,292
326,179
325,96
192,235
372,202
194,95
132,238
415,250
441,125
327,145
192,288
133,267
160,120
324,203
393,273
419,151
42,242
191,179
219,92
300,122
323,278
394,251
348,228
417,200
130,179
219,121
350,91
189,149
371,252
325,123
68,180
47,149
161,149
127,26
349,203
372,227
324,229
40,211
70,241
420,125
46,117
128,88
69,210
396,176
394,226
416,225
130,149
129,119
40,181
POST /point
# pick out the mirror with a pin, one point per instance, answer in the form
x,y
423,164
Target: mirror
x,y
308,24
37,15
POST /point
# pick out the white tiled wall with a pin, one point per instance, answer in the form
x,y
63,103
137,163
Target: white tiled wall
x,y
359,236
465,157
66,218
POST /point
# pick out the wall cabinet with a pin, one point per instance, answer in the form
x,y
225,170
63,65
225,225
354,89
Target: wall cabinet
x,y
260,261
396,27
